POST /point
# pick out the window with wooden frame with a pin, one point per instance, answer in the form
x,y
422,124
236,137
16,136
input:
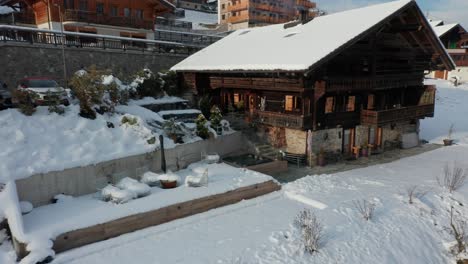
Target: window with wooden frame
x,y
292,103
329,105
100,8
370,101
351,104
127,12
236,98
114,11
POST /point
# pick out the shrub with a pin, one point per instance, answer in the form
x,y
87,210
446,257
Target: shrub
x,y
413,192
25,101
240,105
202,130
171,85
365,209
204,104
129,120
453,179
459,231
93,94
311,231
152,87
173,130
215,118
55,105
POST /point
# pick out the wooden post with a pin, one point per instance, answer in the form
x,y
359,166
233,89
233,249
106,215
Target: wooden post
x,y
163,157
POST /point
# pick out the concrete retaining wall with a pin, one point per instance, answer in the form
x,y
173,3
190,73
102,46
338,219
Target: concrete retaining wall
x,y
23,60
40,189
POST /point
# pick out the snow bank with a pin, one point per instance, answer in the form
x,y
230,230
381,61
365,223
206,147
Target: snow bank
x,y
49,142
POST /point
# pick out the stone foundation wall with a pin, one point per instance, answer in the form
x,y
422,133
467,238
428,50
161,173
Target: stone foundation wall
x,y
328,139
24,60
296,141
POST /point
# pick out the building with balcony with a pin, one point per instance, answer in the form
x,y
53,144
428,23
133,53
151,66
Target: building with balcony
x,y
109,17
455,39
238,14
337,84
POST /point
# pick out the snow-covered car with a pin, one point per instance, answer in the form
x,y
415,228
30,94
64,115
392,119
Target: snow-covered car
x,y
45,91
5,96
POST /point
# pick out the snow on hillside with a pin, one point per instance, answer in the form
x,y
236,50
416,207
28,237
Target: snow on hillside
x,y
48,142
451,108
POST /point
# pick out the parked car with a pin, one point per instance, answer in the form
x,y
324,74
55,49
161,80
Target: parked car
x,y
5,96
44,91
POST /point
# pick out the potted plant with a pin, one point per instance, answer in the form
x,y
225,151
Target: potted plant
x,y
449,141
321,158
169,180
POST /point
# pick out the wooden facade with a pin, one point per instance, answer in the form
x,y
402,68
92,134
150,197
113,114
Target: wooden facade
x,y
249,13
92,14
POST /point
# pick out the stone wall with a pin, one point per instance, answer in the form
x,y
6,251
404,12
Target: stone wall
x,y
22,60
330,140
39,189
296,141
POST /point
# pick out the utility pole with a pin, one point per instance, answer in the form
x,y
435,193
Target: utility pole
x,y
63,45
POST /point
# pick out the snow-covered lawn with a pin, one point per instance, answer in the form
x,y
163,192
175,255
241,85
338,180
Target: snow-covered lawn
x,y
261,230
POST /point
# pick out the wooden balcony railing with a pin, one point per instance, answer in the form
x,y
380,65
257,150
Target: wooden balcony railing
x,y
268,19
380,83
283,120
95,18
238,7
275,84
238,19
370,117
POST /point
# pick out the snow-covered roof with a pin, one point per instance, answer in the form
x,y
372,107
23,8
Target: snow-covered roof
x,y
442,30
6,10
296,48
436,23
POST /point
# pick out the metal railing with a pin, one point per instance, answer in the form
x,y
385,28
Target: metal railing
x,y
186,37
95,18
14,34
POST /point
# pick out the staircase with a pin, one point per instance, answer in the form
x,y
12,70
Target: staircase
x,y
267,151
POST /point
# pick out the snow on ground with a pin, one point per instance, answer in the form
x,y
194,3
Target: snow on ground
x,y
48,142
261,231
451,108
199,18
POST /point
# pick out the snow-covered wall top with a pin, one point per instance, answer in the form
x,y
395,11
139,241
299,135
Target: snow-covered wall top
x,y
293,49
441,30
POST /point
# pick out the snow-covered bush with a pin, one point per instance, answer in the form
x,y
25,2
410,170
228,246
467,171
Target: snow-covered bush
x,y
215,119
24,100
55,106
454,177
148,84
310,231
170,84
150,178
459,230
202,130
174,130
415,192
129,120
94,94
116,195
365,209
132,185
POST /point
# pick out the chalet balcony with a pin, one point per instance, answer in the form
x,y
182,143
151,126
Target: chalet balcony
x,y
238,19
378,83
268,19
374,118
283,120
272,84
238,7
343,119
95,18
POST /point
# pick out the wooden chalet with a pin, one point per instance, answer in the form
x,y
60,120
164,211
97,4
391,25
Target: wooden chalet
x,y
455,39
335,84
109,17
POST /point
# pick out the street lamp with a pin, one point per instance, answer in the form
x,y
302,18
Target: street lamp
x,y
63,44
